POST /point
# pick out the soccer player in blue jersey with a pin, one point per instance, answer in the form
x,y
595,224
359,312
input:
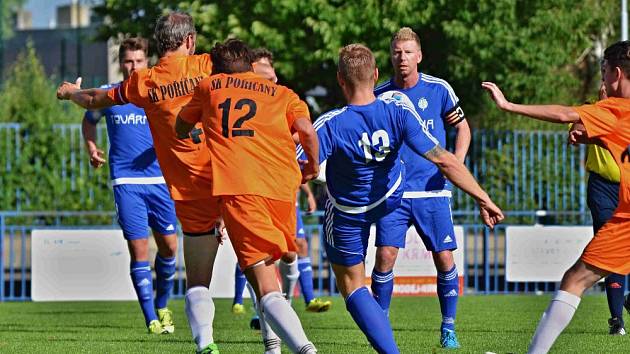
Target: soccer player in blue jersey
x,y
361,145
427,198
141,196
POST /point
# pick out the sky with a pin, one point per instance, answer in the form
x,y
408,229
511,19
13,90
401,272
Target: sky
x,y
44,11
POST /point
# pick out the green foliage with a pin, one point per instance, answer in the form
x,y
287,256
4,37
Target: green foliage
x,y
40,155
539,51
7,9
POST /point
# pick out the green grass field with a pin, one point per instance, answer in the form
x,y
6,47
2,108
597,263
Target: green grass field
x,y
501,324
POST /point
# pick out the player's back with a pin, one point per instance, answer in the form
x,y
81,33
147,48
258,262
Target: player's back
x,y
361,146
248,121
131,152
162,91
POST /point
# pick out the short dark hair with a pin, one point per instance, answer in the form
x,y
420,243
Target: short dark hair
x,y
259,53
232,56
172,29
133,44
356,64
618,55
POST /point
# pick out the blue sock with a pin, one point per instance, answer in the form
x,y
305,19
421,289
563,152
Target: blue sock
x,y
239,285
448,293
372,320
143,284
615,285
165,279
306,278
382,288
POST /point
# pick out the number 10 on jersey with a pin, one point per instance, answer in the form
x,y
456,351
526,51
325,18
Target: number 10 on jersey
x,y
379,143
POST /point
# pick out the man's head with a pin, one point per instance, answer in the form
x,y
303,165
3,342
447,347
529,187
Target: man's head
x,y
132,55
405,52
262,62
231,56
357,68
173,31
616,68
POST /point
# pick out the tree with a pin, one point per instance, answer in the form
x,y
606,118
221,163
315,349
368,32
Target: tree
x,y
538,50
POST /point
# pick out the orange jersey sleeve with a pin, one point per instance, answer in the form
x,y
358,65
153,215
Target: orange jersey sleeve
x,y
599,119
296,108
128,91
192,112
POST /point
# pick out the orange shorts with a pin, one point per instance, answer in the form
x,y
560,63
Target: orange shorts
x,y
198,217
610,248
260,228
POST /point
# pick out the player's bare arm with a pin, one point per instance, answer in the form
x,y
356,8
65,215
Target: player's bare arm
x,y
310,144
183,128
547,113
312,203
462,139
89,98
457,173
88,129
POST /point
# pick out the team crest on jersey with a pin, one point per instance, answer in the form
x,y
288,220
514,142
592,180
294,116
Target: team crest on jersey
x,y
423,103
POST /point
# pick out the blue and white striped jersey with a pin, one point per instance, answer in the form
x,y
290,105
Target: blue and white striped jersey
x,y
360,145
132,158
433,99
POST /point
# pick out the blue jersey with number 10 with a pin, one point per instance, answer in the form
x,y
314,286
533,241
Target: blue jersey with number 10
x,y
360,145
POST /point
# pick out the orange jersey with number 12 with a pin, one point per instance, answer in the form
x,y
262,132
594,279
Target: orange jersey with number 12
x,y
247,120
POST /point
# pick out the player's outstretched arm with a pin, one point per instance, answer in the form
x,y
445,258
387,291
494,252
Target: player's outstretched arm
x,y
457,173
547,113
310,144
89,99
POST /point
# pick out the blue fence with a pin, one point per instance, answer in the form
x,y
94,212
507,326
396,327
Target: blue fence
x,y
484,255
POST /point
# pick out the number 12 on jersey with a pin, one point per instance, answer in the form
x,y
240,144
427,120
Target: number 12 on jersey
x,y
226,107
379,142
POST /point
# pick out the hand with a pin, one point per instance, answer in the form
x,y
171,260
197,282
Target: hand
x,y
312,204
496,94
66,89
96,158
220,231
310,170
490,213
577,134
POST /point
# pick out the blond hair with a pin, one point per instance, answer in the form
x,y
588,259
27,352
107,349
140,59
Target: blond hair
x,y
356,64
405,34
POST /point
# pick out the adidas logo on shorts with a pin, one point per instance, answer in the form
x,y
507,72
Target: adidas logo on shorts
x,y
170,227
447,239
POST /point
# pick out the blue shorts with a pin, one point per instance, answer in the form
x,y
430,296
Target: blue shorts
x,y
140,206
431,217
299,225
602,198
345,239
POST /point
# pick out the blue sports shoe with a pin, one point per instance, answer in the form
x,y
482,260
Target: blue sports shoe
x,y
448,339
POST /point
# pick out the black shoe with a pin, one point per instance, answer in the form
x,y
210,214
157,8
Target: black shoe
x,y
255,323
616,327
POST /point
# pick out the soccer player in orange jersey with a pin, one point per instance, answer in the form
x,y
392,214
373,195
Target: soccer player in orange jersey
x,y
607,123
248,122
162,91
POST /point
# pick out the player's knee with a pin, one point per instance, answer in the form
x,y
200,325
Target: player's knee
x,y
302,247
385,258
443,260
289,257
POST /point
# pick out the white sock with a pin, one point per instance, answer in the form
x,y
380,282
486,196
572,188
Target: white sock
x,y
252,295
200,313
290,274
554,321
270,338
285,322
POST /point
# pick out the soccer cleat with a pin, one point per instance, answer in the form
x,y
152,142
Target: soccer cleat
x,y
155,327
166,319
209,349
238,309
448,339
255,323
318,305
616,327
